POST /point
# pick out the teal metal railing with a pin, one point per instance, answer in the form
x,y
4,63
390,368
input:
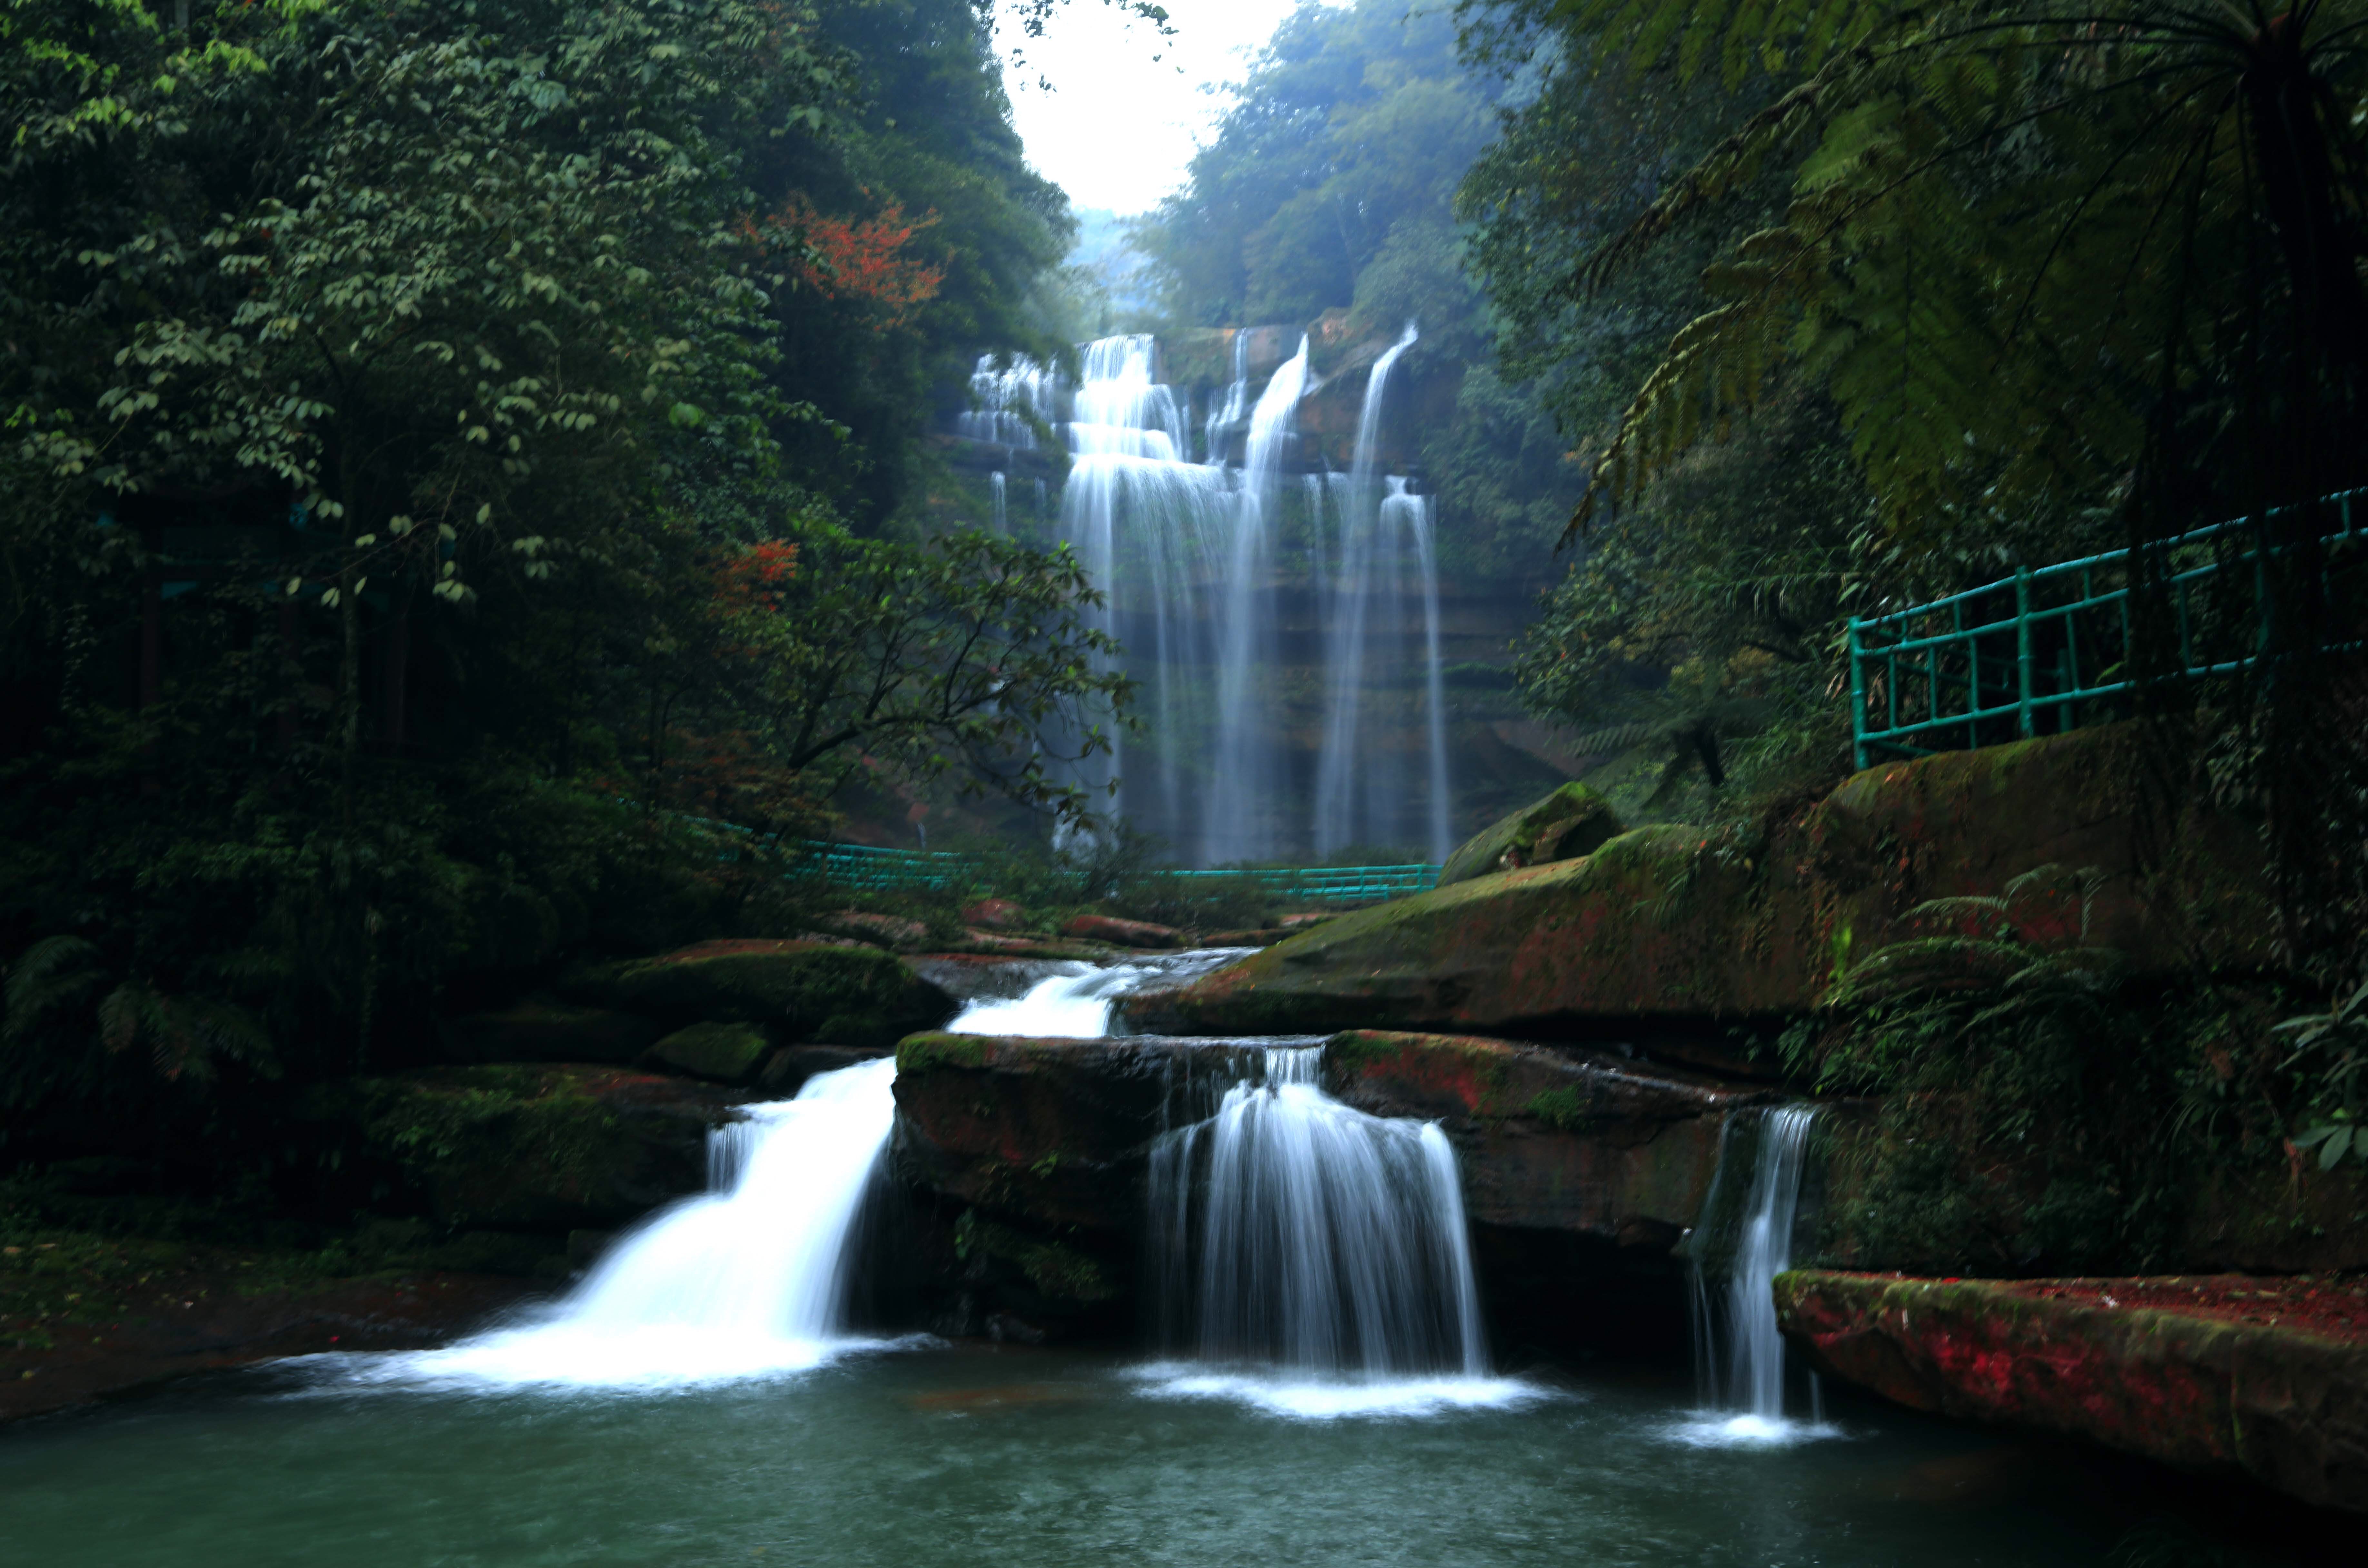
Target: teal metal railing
x,y
862,867
2048,649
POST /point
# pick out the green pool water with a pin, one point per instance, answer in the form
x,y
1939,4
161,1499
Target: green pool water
x,y
976,1456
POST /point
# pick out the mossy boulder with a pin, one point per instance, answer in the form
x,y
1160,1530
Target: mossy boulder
x,y
809,991
549,1148
1049,1130
1672,923
724,1052
1572,822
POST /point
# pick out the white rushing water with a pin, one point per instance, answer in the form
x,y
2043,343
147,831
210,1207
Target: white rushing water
x,y
1313,1260
749,1279
1739,1348
1076,1003
1378,603
1189,554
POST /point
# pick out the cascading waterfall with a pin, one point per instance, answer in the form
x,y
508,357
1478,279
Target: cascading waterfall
x,y
748,1279
1739,1348
1383,577
1311,1237
1245,786
1186,552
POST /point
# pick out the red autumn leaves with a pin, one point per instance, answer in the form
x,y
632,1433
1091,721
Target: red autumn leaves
x,y
867,262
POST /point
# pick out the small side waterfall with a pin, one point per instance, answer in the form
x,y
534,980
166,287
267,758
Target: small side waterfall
x,y
751,1278
1316,1238
1739,1353
995,487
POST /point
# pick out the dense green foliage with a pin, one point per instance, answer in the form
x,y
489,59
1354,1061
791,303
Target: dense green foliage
x,y
1330,185
451,507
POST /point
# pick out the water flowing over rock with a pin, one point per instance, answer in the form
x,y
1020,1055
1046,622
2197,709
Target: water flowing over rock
x,y
1739,1352
749,1279
1191,555
1295,1231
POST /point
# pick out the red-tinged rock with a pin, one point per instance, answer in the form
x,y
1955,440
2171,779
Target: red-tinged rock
x,y
1670,923
1048,1131
994,914
2158,1367
1122,933
1257,939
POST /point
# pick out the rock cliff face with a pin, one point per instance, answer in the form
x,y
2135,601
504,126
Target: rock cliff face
x,y
1578,1165
1666,925
2285,1404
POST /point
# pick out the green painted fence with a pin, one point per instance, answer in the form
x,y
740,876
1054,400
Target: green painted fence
x,y
861,866
2047,650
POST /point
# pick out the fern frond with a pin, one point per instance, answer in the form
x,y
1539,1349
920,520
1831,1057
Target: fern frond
x,y
51,973
1739,37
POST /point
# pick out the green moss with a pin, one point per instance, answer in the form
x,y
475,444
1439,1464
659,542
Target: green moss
x,y
923,1052
861,996
727,1053
1053,1268
1572,822
1566,1110
458,1129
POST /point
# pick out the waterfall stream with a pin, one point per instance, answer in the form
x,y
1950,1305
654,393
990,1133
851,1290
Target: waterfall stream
x,y
747,1280
1739,1351
1189,553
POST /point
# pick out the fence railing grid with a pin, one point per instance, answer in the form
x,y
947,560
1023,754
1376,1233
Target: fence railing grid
x,y
2047,650
870,869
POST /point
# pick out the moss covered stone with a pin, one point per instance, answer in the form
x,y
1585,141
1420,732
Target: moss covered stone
x,y
1674,922
1572,822
810,991
537,1147
727,1053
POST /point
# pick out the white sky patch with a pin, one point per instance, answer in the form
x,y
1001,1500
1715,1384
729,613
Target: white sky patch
x,y
1118,127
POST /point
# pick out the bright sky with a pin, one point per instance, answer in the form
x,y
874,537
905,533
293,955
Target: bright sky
x,y
1118,127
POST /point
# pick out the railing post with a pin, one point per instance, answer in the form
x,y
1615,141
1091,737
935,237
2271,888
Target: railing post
x,y
1858,697
2023,650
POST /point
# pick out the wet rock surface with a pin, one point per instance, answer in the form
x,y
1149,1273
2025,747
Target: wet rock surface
x,y
1551,1139
198,1310
2206,1374
1050,1131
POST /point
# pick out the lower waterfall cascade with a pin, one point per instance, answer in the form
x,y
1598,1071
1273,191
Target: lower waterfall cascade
x,y
1294,1231
747,1280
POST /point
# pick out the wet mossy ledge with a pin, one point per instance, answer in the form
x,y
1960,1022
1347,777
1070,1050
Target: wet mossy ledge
x,y
1668,930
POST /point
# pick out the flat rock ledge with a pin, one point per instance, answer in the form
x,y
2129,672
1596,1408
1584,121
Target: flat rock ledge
x,y
2204,1375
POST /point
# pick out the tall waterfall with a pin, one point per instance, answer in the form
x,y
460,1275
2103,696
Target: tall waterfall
x,y
1383,585
1739,1348
1189,554
749,1279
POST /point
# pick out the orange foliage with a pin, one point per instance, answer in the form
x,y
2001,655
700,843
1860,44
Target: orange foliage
x,y
752,579
864,261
